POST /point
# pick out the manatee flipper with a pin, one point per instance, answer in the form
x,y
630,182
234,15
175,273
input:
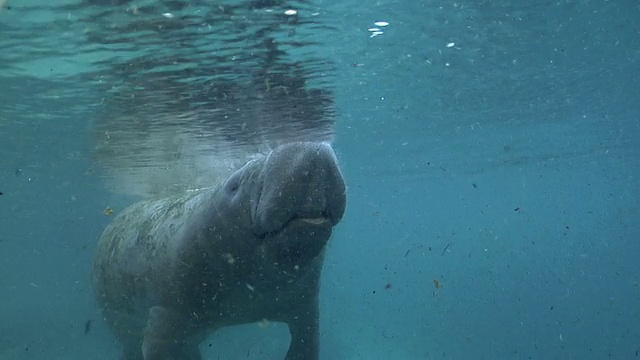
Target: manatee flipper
x,y
305,341
305,332
164,337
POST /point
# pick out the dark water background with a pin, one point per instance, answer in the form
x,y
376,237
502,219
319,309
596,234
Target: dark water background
x,y
505,166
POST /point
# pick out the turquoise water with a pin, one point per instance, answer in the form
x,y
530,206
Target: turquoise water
x,y
488,145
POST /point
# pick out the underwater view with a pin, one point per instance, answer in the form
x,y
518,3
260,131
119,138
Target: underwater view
x,y
314,179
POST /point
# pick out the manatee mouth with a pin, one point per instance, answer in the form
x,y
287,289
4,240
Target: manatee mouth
x,y
322,220
318,219
314,221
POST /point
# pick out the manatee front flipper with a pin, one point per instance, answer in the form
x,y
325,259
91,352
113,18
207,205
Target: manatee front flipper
x,y
305,336
164,337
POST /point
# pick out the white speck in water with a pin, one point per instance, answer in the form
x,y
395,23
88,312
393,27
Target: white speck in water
x,y
291,12
168,15
451,44
381,23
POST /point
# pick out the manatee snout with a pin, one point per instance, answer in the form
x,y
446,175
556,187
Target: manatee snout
x,y
303,184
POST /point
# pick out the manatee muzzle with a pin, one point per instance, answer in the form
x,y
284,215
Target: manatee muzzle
x,y
302,185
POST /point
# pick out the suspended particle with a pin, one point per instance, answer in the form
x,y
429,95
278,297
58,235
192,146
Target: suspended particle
x,y
437,284
381,23
264,323
290,12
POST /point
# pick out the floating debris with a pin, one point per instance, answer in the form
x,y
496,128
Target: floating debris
x,y
87,326
229,258
446,248
108,211
291,12
451,44
376,31
437,284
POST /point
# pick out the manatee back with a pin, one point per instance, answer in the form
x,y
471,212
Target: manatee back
x,y
139,247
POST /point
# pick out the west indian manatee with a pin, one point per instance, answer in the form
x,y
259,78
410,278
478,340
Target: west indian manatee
x,y
168,272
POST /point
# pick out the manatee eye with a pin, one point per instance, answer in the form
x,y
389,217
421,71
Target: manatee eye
x,y
233,185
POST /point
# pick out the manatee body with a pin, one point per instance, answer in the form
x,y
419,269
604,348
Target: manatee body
x,y
170,271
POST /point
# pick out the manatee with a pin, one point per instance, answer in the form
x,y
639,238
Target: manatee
x,y
168,272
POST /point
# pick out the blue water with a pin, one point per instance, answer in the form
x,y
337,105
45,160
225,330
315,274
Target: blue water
x,y
490,148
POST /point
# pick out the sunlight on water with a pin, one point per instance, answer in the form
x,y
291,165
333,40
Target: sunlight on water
x,y
179,93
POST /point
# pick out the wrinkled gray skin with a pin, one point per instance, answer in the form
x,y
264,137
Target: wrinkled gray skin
x,y
168,272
